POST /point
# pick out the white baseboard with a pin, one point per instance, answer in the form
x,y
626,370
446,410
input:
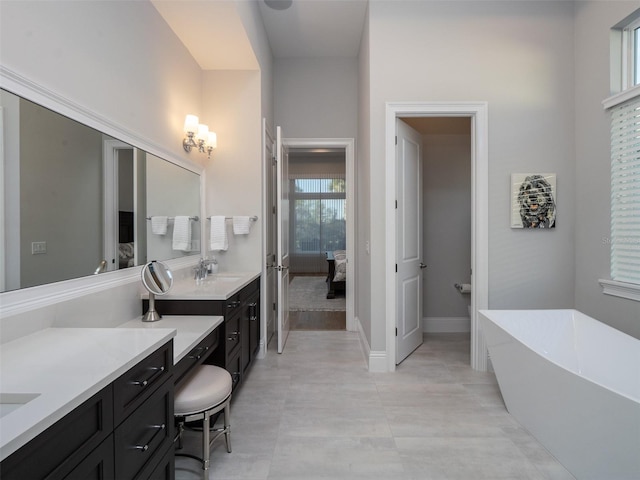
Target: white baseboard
x,y
446,324
377,360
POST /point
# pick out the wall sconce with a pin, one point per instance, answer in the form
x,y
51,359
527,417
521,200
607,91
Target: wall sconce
x,y
198,136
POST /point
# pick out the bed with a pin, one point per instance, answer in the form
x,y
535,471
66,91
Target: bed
x,y
337,275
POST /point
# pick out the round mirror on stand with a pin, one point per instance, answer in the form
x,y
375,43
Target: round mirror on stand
x,y
157,279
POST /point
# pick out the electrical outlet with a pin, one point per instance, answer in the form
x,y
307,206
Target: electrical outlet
x,y
38,248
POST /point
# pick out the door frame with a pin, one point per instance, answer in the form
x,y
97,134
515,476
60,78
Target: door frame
x,y
478,112
348,144
110,149
269,296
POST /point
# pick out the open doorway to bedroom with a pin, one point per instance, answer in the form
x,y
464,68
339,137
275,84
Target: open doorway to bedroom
x,y
317,238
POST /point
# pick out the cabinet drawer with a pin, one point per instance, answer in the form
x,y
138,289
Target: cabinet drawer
x,y
234,367
232,333
60,448
197,355
232,305
98,465
165,470
145,434
135,386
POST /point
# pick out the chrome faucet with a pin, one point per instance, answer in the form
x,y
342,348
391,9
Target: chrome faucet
x,y
102,266
204,268
200,270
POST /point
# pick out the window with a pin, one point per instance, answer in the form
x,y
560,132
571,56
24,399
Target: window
x,y
625,192
631,54
625,168
318,219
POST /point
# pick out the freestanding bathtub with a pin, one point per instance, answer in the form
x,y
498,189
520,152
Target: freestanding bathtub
x,y
574,384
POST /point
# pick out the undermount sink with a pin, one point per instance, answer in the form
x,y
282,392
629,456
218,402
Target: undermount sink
x,y
9,402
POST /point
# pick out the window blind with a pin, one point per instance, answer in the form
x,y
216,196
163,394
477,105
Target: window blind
x,y
318,219
625,192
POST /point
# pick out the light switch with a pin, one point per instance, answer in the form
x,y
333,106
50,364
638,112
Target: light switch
x,y
38,248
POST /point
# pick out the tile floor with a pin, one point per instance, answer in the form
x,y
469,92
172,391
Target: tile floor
x,y
315,412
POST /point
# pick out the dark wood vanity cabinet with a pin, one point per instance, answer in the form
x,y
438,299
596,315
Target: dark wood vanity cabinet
x,y
123,432
250,326
240,332
196,356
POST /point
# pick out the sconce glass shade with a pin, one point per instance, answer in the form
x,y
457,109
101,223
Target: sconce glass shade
x,y
212,140
203,132
191,124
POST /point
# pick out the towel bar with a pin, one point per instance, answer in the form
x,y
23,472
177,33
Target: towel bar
x,y
253,218
195,218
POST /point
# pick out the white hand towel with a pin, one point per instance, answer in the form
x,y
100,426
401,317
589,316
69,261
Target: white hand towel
x,y
159,225
219,239
241,225
182,233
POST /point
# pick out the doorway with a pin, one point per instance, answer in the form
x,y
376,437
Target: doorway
x,y
439,225
270,298
345,147
317,236
477,113
119,205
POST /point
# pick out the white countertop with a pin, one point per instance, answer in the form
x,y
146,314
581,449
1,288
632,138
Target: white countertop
x,y
191,330
66,366
219,286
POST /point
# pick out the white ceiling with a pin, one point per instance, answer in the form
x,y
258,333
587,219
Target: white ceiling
x,y
213,32
315,28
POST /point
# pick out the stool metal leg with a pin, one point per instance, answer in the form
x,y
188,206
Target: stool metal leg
x,y
227,425
205,442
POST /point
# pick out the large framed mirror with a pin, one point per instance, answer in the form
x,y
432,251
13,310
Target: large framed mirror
x,y
77,201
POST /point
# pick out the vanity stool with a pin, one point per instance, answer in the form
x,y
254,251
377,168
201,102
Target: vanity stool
x,y
205,392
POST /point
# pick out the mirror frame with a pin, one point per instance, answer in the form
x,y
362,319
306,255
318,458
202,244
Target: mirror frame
x,y
31,298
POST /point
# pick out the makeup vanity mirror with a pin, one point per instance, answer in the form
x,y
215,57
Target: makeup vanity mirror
x,y
78,202
157,279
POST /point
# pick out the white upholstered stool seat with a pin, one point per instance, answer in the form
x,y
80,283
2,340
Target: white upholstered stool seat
x,y
205,392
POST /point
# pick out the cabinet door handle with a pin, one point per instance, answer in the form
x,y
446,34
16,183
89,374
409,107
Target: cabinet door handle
x,y
145,447
233,336
200,351
157,371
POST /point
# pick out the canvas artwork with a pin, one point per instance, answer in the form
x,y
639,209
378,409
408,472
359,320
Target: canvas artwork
x,y
533,200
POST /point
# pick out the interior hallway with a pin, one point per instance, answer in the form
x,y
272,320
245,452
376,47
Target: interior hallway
x,y
315,412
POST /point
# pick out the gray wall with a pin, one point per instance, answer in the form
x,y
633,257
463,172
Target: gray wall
x,y
60,173
517,56
316,98
171,191
447,224
592,23
73,48
362,268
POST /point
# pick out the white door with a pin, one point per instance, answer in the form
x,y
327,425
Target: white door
x,y
408,241
271,235
282,159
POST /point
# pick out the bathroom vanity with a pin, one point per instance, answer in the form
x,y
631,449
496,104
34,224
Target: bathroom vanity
x,y
97,402
235,296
